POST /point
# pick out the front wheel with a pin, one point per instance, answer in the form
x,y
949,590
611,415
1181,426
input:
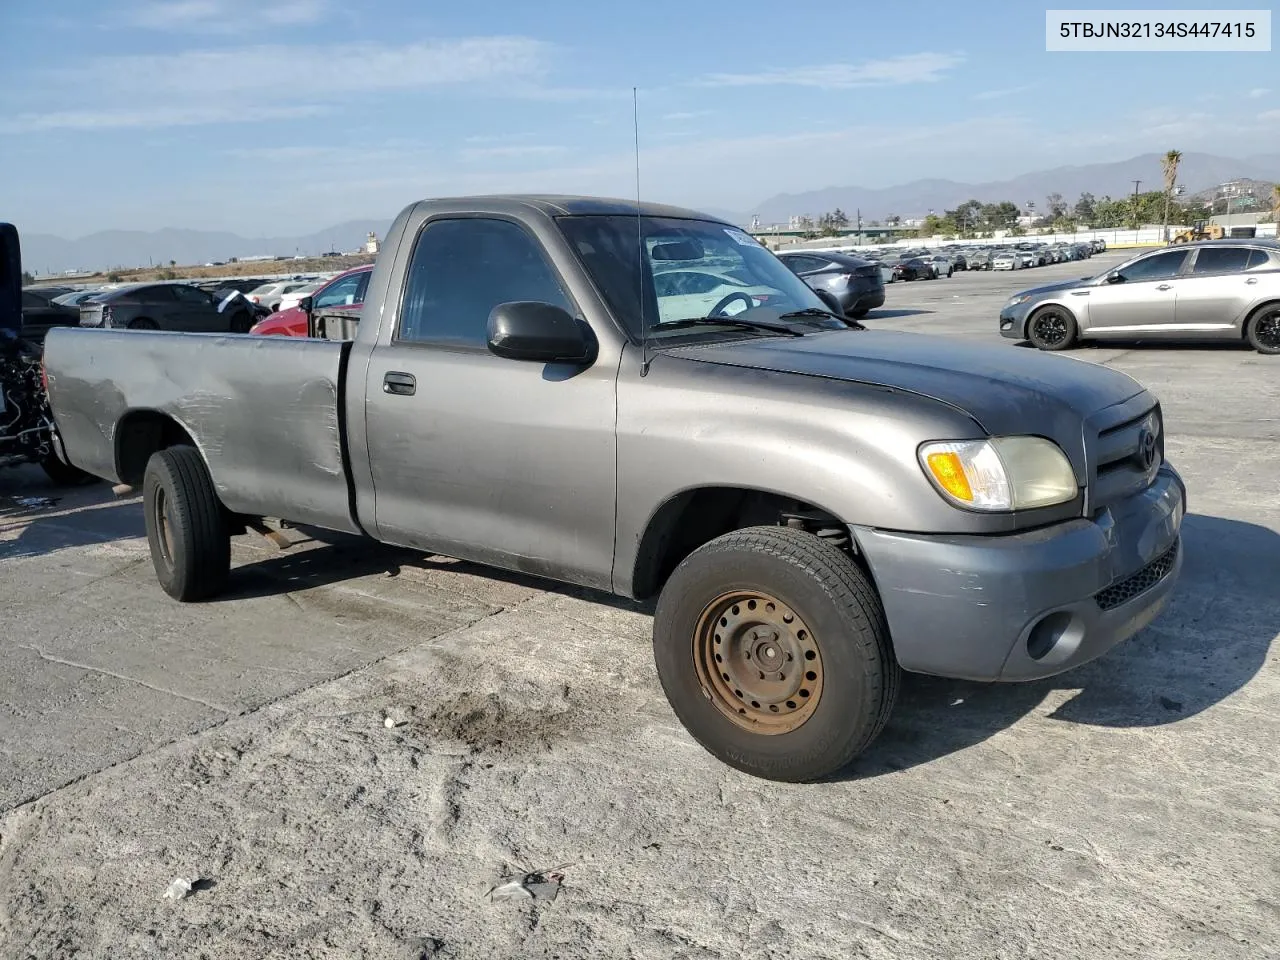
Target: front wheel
x,y
773,650
186,525
1263,331
1052,328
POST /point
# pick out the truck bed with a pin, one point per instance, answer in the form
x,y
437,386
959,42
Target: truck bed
x,y
266,412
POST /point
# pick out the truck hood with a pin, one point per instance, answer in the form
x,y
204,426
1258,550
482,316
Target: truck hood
x,y
1006,390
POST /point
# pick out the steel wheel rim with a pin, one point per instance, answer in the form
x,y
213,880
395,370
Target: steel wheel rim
x,y
758,662
1268,329
164,533
1051,328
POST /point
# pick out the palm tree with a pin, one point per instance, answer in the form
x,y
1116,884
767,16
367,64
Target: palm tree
x,y
1169,163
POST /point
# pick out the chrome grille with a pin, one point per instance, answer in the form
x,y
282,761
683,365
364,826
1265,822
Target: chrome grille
x,y
1139,583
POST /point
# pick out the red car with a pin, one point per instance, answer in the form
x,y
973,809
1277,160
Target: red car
x,y
343,292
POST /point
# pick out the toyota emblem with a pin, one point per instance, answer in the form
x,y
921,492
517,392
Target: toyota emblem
x,y
1147,448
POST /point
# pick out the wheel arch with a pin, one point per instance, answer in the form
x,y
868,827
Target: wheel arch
x,y
140,433
1253,313
692,517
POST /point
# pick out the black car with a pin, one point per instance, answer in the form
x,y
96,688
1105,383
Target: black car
x,y
167,306
914,268
855,282
39,312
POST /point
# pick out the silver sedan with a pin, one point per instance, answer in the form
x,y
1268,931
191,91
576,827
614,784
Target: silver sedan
x,y
1216,290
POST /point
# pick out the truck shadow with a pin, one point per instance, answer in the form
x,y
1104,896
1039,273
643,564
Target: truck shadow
x,y
1210,641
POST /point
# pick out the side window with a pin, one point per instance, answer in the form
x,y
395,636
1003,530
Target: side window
x,y
462,269
1259,260
191,295
343,293
1221,260
154,295
1156,267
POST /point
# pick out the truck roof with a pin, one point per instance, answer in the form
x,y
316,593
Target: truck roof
x,y
560,205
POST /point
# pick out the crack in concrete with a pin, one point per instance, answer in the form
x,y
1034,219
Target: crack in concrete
x,y
120,676
438,641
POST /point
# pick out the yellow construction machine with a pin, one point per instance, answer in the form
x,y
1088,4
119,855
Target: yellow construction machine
x,y
1200,230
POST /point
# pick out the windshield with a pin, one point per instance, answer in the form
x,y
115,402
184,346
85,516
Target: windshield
x,y
691,269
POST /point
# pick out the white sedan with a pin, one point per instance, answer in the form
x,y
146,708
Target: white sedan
x,y
1006,261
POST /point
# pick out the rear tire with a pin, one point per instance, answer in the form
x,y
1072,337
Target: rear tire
x,y
1052,328
1263,329
799,633
241,323
186,525
64,474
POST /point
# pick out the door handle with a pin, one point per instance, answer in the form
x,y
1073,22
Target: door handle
x,y
401,384
1252,280
1165,286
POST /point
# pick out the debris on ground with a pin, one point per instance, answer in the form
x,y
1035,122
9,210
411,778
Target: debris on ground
x,y
393,719
181,887
537,885
35,503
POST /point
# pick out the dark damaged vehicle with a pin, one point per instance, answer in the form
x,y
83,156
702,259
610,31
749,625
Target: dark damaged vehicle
x,y
27,434
817,507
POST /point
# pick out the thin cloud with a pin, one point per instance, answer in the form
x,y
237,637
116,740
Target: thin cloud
x,y
682,115
153,117
1002,94
893,71
512,150
1259,92
225,16
1268,116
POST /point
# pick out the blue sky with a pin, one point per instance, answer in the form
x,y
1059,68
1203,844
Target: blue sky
x,y
284,116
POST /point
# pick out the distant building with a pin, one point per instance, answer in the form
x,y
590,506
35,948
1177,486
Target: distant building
x,y
371,243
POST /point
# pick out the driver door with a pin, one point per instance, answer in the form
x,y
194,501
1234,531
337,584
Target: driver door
x,y
1143,301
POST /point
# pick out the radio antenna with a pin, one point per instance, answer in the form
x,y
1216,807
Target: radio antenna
x,y
644,327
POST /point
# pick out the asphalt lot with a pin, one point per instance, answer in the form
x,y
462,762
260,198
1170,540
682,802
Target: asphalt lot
x,y
1127,808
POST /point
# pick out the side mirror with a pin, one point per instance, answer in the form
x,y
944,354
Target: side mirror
x,y
1114,277
306,304
542,332
829,298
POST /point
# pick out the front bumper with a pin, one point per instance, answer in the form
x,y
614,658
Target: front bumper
x,y
1013,322
1035,604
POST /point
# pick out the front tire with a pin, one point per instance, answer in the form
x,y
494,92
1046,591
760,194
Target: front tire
x,y
186,525
1263,330
773,650
1052,328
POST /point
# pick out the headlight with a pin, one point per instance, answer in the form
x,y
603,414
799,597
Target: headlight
x,y
1020,298
1004,473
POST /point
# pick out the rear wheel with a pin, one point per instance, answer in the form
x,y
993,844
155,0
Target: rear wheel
x,y
772,648
1263,329
64,474
1052,328
186,524
241,322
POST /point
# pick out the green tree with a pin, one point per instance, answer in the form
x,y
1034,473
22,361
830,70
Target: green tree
x,y
1084,208
1169,167
113,277
1055,207
1000,216
173,263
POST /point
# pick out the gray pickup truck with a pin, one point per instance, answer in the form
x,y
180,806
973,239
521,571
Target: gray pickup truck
x,y
816,506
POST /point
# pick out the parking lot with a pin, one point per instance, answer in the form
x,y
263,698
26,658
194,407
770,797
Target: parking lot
x,y
1125,808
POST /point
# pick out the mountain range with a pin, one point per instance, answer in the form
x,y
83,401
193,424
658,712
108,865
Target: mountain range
x,y
1197,171
45,253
